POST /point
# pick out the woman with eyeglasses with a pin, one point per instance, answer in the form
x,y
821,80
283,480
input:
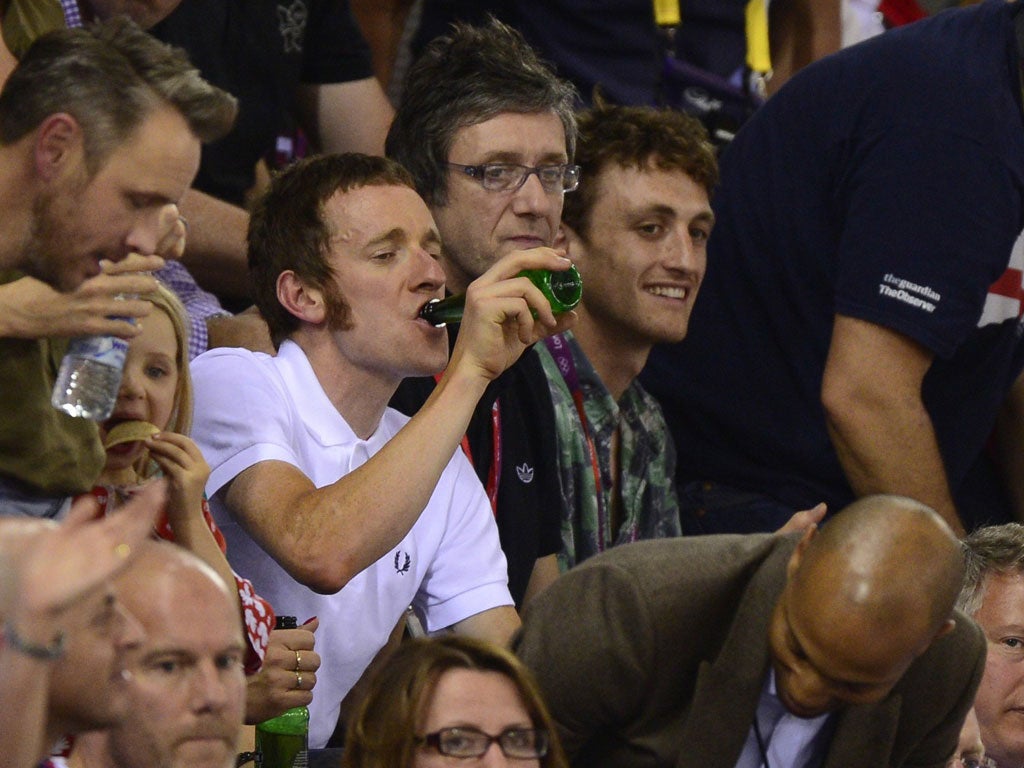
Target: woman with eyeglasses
x,y
970,752
440,701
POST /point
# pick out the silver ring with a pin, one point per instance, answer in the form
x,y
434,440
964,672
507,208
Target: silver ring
x,y
298,680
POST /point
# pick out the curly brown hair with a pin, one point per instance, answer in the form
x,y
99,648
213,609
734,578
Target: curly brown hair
x,y
637,137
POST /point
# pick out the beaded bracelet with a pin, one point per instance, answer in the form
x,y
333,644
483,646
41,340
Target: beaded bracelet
x,y
42,652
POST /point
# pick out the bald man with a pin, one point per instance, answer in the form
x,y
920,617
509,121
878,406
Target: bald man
x,y
186,689
837,648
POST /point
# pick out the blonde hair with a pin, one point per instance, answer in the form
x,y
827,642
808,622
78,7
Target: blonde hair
x,y
181,415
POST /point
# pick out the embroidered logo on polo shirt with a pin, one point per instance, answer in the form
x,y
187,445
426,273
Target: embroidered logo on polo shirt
x,y
402,566
292,25
525,472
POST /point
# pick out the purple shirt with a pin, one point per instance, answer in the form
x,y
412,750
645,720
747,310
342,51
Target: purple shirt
x,y
201,305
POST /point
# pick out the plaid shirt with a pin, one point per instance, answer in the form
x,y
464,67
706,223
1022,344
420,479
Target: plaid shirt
x,y
647,460
200,305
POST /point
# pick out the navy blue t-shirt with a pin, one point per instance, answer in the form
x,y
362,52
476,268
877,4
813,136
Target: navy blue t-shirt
x,y
611,43
885,183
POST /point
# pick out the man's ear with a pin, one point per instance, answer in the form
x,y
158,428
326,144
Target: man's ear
x,y
59,142
947,626
568,240
798,553
301,299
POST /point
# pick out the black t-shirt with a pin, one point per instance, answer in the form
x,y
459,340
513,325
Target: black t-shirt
x,y
529,496
259,51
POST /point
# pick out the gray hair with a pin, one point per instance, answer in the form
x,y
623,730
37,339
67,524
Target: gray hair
x,y
992,549
465,78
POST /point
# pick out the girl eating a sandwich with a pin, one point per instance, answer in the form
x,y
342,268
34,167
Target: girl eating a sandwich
x,y
146,436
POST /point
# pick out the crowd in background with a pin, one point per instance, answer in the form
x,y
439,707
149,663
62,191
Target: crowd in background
x,y
757,500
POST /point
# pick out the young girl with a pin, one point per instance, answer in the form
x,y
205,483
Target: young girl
x,y
156,388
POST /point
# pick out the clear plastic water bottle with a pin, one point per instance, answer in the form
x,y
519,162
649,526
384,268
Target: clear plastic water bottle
x,y
90,376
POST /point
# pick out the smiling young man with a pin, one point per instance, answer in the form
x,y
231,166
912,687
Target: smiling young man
x,y
836,648
637,230
332,504
488,133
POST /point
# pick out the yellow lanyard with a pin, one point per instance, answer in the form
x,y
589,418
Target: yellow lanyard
x,y
666,14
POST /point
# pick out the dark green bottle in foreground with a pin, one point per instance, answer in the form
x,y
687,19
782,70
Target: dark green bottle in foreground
x,y
562,289
283,741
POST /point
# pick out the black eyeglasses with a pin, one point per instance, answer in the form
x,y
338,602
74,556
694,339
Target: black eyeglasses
x,y
508,177
970,761
515,743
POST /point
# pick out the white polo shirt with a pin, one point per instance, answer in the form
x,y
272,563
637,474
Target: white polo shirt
x,y
250,407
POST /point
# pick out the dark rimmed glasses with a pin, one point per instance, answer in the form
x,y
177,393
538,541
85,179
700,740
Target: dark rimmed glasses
x,y
465,742
970,761
509,177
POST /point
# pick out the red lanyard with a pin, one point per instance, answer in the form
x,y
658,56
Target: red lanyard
x,y
494,473
559,349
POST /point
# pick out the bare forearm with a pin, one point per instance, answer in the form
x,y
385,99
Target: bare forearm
x,y
495,625
330,534
382,24
802,31
545,572
246,329
346,117
1010,447
215,253
882,433
891,448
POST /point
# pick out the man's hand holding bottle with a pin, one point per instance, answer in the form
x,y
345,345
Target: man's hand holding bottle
x,y
505,313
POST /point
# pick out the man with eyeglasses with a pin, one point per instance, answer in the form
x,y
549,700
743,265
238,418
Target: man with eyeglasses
x,y
834,649
993,595
970,751
488,133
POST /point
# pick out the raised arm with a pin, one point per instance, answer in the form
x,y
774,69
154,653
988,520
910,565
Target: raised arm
x,y
330,534
346,117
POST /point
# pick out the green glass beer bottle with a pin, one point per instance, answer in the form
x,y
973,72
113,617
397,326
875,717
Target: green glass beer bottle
x,y
283,741
562,289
